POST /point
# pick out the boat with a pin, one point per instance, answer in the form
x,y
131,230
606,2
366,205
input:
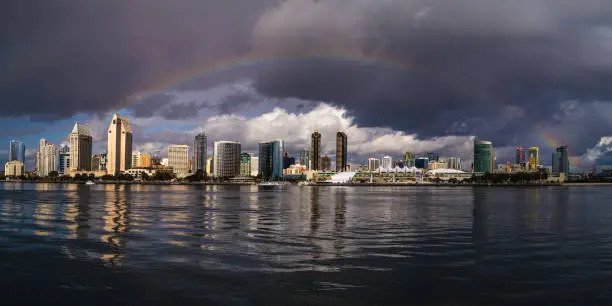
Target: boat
x,y
90,183
273,183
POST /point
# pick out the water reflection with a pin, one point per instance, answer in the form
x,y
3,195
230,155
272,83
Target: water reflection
x,y
116,222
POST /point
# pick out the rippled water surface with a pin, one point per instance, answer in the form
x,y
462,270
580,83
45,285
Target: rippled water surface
x,y
247,245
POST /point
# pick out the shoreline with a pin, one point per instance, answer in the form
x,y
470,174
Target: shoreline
x,y
582,184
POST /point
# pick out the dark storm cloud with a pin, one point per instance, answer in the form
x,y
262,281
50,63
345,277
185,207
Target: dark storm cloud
x,y
67,56
490,68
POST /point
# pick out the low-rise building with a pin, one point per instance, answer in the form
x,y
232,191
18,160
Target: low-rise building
x,y
14,168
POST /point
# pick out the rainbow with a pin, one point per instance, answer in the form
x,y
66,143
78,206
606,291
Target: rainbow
x,y
254,59
553,143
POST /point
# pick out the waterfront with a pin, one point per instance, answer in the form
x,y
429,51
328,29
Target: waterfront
x,y
248,245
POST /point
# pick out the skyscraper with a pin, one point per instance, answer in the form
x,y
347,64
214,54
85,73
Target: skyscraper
x,y
409,159
387,161
178,159
17,151
80,148
144,161
135,160
341,151
119,154
226,159
560,161
534,158
520,155
315,146
95,162
46,158
433,156
254,165
64,160
305,158
483,156
421,162
373,164
271,159
287,160
454,163
200,152
245,164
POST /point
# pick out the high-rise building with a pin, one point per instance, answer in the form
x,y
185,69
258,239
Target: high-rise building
x,y
103,161
119,154
135,160
287,160
14,168
254,165
144,161
534,158
409,159
209,165
560,161
483,156
373,164
454,163
80,148
433,156
326,163
226,157
63,161
46,158
520,155
315,147
387,162
271,159
178,159
156,161
17,151
245,164
421,162
200,152
305,158
341,151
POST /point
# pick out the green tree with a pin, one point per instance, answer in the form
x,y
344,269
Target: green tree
x,y
53,174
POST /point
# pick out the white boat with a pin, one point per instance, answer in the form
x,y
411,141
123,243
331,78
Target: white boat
x,y
90,183
273,183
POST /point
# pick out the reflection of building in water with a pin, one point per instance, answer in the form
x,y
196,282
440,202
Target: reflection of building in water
x,y
315,216
116,222
479,227
339,222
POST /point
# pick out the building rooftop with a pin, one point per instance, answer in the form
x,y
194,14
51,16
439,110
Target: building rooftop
x,y
125,122
81,129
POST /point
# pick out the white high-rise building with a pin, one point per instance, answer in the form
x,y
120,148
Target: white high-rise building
x,y
254,165
226,162
178,159
387,162
119,154
46,158
80,148
454,163
135,160
373,163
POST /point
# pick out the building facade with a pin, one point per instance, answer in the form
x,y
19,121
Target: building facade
x,y
421,162
483,156
95,162
326,164
226,159
315,147
63,163
200,152
81,144
14,168
305,158
17,151
520,155
271,159
409,159
433,156
245,164
534,158
46,158
560,161
287,160
373,164
254,165
387,162
178,159
341,151
454,163
119,153
144,161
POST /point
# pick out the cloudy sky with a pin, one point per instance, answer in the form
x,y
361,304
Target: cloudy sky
x,y
396,75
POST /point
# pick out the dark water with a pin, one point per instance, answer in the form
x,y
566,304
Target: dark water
x,y
231,245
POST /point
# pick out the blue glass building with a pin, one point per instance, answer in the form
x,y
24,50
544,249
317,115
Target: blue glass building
x,y
421,162
17,151
271,159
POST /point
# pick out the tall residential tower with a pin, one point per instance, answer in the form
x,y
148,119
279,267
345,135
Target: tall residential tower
x,y
80,148
341,151
200,152
315,147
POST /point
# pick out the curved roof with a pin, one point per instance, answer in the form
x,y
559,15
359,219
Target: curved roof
x,y
445,171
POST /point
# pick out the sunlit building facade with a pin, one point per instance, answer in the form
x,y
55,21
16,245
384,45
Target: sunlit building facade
x,y
81,144
119,153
